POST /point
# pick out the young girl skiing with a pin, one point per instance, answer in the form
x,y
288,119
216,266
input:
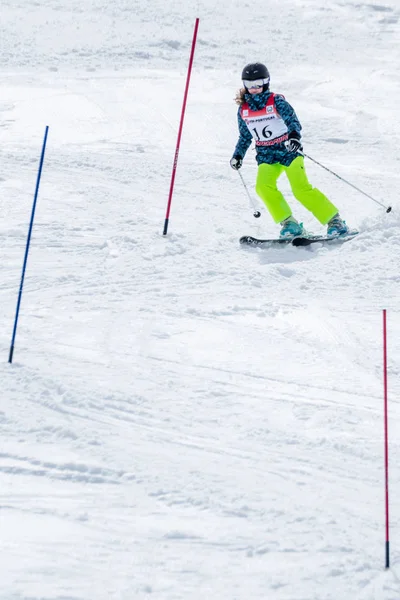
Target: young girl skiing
x,y
271,121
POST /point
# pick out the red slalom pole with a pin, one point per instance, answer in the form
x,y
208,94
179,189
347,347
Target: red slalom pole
x,y
178,143
385,390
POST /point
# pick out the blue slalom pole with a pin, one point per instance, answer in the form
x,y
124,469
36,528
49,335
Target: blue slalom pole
x,y
10,357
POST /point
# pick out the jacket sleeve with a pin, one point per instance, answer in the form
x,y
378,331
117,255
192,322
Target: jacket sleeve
x,y
245,138
287,113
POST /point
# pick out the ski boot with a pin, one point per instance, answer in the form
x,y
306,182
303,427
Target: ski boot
x,y
291,228
337,226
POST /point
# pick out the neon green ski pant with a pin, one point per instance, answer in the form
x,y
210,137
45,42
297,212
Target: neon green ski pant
x,y
311,198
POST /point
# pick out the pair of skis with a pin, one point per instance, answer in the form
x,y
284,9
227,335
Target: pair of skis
x,y
304,240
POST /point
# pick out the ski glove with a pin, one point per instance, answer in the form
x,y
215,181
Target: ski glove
x,y
293,145
236,162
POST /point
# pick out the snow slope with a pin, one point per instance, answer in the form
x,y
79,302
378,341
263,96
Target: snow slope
x,y
186,418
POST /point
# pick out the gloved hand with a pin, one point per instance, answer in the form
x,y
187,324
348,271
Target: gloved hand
x,y
236,162
293,144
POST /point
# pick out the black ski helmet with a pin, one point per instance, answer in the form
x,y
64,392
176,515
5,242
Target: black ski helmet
x,y
254,71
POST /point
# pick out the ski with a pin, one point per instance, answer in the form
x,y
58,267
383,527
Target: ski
x,y
304,240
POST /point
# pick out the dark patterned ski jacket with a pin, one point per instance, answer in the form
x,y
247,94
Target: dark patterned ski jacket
x,y
268,154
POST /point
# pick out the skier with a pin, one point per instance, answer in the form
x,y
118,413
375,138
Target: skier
x,y
271,121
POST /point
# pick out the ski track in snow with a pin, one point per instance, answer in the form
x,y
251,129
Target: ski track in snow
x,y
185,417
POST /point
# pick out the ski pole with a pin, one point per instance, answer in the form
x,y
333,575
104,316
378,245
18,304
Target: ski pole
x,y
388,208
256,212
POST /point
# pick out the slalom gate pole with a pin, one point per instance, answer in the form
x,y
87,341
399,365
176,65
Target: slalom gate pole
x,y
171,189
10,357
385,395
256,212
387,208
